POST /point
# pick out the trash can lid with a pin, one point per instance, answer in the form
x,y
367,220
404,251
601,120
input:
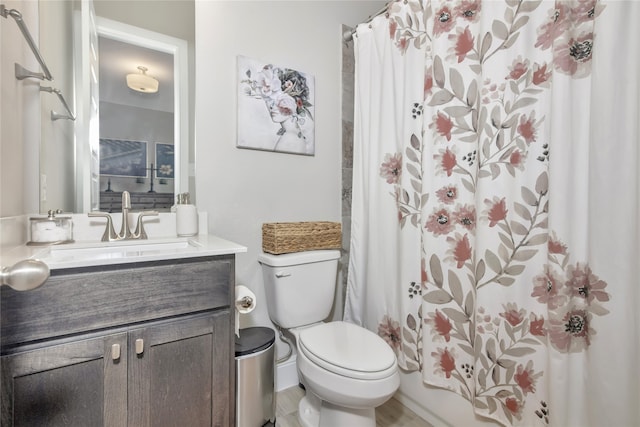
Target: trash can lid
x,y
254,339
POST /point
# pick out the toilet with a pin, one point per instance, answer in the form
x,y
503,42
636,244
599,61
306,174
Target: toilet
x,y
347,370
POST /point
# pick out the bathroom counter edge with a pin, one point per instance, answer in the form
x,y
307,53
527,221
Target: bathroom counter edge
x,y
206,245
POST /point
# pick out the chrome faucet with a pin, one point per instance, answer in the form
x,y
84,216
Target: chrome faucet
x,y
125,231
110,234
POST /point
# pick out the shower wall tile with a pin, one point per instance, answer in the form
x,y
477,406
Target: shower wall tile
x,y
348,68
347,96
348,61
347,144
346,237
347,175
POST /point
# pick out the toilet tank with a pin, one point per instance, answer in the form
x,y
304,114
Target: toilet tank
x,y
300,286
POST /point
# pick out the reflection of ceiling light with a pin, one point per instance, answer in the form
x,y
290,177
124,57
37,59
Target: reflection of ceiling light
x,y
142,82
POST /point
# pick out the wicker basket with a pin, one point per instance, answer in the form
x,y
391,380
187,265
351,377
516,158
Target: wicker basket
x,y
285,237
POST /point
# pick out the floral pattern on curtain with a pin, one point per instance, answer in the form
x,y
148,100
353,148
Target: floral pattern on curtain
x,y
500,287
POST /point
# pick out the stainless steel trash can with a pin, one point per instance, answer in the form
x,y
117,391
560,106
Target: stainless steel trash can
x,y
255,384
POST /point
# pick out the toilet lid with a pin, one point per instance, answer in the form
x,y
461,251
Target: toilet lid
x,y
348,350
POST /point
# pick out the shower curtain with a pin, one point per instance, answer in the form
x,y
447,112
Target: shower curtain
x,y
496,203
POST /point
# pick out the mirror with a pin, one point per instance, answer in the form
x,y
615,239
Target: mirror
x,y
141,137
152,128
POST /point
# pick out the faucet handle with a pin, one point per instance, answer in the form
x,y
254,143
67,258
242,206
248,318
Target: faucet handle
x,y
140,233
109,232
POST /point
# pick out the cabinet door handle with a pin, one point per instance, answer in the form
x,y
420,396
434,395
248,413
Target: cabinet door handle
x,y
139,346
115,351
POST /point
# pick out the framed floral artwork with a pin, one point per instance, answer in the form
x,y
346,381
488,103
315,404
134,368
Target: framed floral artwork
x,y
275,108
164,160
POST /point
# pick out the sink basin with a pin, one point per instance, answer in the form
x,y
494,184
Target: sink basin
x,y
121,246
96,253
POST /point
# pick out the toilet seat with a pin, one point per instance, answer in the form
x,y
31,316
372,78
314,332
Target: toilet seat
x,y
348,350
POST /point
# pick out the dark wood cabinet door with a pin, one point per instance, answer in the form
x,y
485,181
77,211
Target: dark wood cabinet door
x,y
79,383
147,344
179,373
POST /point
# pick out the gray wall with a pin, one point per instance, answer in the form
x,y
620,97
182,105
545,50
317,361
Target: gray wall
x,y
242,189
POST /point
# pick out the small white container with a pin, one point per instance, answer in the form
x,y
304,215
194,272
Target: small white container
x,y
51,230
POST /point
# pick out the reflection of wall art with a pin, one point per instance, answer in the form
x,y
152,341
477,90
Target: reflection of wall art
x,y
164,160
275,108
123,158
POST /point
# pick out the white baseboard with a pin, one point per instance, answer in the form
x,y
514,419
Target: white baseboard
x,y
420,410
286,374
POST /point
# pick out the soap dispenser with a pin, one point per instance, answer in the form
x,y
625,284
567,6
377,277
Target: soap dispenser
x,y
186,216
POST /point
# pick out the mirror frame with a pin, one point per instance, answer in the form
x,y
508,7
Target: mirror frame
x,y
179,49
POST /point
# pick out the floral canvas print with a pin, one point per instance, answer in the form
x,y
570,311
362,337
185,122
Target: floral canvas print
x,y
164,160
275,108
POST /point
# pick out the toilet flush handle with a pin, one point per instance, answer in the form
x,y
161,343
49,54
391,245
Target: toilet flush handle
x,y
281,274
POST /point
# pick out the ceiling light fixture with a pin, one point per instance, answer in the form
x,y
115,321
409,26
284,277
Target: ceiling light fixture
x,y
142,82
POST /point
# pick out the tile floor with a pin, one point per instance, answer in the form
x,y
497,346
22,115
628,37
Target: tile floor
x,y
391,414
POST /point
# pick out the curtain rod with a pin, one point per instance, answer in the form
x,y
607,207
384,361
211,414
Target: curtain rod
x,y
348,35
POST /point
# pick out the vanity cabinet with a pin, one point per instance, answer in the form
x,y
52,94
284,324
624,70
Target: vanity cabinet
x,y
148,344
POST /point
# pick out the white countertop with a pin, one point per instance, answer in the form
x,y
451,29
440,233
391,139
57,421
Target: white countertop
x,y
88,250
92,253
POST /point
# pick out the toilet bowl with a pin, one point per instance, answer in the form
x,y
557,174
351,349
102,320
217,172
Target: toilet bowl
x,y
347,370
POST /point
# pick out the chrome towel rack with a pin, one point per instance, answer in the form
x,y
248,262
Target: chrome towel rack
x,y
23,73
17,16
57,116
